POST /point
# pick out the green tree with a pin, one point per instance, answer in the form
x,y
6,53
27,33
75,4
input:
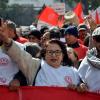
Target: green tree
x,y
3,4
21,14
87,4
93,4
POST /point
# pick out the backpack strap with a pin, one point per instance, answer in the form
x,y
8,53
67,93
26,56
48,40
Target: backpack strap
x,y
36,75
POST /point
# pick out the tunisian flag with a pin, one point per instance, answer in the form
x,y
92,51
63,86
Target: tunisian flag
x,y
79,12
49,16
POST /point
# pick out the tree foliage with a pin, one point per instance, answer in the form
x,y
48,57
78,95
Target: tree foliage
x,y
92,4
3,4
20,14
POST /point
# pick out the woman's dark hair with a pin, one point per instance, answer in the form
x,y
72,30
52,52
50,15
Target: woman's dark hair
x,y
66,60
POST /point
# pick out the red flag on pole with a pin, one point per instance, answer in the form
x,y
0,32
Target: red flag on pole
x,y
49,16
97,18
79,12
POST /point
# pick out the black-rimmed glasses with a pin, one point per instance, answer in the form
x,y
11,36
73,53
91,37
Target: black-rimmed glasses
x,y
56,52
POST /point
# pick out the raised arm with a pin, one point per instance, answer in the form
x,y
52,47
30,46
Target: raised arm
x,y
26,63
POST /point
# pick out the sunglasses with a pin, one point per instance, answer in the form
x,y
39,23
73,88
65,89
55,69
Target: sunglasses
x,y
97,38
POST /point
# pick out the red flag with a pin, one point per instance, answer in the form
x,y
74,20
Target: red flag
x,y
97,18
49,16
79,12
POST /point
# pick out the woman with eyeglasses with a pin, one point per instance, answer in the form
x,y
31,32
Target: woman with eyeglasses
x,y
89,69
55,67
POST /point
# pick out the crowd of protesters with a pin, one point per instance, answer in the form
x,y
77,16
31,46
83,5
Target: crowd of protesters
x,y
43,58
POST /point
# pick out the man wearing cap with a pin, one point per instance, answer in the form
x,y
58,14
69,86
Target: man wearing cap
x,y
71,37
89,70
83,31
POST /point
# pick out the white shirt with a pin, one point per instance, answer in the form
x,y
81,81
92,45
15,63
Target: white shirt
x,y
8,68
90,75
61,76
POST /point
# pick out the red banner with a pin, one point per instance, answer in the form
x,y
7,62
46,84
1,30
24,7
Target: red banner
x,y
45,93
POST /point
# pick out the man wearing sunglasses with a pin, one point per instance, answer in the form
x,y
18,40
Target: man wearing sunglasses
x,y
89,69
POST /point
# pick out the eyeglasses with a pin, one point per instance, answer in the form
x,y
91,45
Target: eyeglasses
x,y
56,52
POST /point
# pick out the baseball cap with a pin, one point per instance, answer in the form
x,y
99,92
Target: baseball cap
x,y
82,27
96,32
